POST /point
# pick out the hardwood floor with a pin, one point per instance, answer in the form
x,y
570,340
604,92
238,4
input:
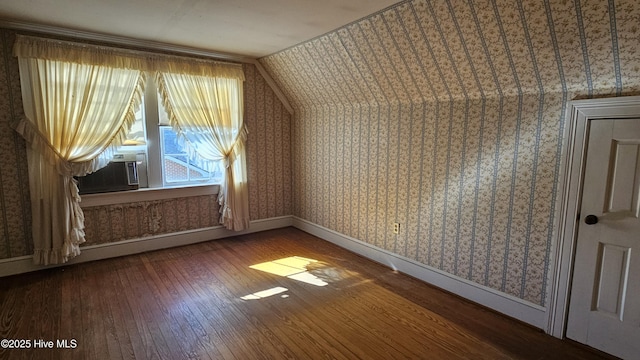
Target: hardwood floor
x,y
187,302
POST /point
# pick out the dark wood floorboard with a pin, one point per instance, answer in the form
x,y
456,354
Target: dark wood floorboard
x,y
186,303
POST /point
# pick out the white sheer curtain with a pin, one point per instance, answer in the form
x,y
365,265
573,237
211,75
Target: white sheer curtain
x,y
207,112
76,114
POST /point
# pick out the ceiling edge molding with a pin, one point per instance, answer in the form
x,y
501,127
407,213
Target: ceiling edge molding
x,y
146,44
267,77
121,40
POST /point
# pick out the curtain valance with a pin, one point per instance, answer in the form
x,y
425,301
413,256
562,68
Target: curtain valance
x,y
59,50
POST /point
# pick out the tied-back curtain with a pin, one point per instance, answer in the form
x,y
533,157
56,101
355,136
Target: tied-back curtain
x,y
75,116
207,112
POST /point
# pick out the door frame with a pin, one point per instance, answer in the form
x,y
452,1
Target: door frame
x,y
580,112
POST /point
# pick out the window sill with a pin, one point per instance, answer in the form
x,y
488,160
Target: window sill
x,y
124,197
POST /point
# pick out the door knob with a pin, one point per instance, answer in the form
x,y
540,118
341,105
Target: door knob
x,y
591,220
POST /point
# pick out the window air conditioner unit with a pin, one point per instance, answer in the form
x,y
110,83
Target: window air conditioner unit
x,y
120,174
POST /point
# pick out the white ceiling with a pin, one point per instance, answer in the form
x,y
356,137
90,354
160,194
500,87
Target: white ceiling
x,y
252,28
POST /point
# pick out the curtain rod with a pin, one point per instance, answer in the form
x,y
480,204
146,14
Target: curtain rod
x,y
119,51
146,44
114,40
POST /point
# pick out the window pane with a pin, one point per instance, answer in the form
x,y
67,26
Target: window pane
x,y
163,117
135,146
175,168
170,145
179,167
198,174
136,135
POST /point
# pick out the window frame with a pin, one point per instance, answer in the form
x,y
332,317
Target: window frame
x,y
156,188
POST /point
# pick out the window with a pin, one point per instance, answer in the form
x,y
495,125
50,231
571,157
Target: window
x,y
180,166
162,159
206,97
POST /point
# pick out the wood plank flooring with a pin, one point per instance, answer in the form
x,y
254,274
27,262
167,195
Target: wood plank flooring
x,y
186,303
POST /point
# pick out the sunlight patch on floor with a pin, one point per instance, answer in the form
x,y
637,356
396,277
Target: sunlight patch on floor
x,y
265,293
293,267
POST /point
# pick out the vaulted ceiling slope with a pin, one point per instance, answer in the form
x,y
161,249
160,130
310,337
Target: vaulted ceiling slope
x,y
426,50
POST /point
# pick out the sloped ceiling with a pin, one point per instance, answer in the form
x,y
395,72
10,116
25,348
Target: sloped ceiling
x,y
449,117
443,50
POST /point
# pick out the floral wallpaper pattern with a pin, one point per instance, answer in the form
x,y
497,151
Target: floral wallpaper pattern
x,y
104,224
268,166
268,149
15,208
449,118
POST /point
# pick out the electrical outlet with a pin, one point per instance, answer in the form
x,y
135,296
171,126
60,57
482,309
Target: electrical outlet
x,y
396,228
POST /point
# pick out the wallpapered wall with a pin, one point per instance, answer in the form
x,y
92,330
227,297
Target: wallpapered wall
x,y
105,224
448,117
268,166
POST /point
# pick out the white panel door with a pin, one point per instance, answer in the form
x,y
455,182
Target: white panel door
x,y
604,310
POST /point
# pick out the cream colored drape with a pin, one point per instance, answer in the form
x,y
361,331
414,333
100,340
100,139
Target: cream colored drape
x,y
207,112
76,115
79,102
53,49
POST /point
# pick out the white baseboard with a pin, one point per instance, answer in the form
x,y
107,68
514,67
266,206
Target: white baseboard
x,y
25,264
522,310
529,313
